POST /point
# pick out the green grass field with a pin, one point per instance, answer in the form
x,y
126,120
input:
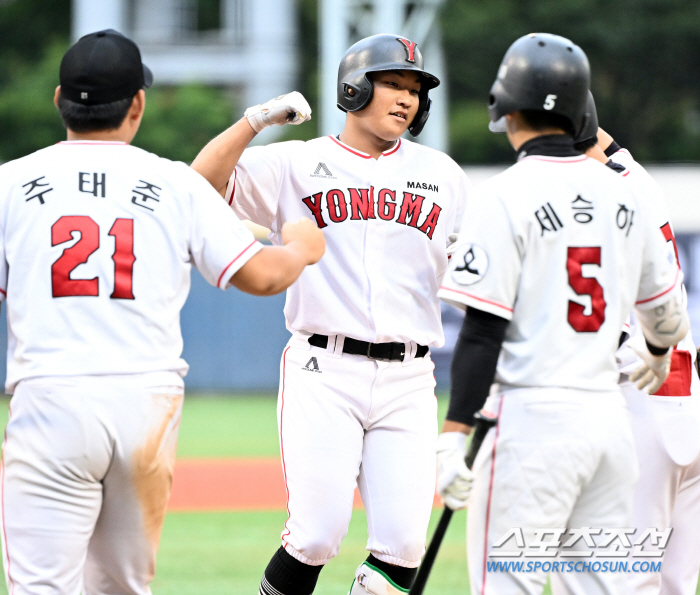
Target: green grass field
x,y
216,553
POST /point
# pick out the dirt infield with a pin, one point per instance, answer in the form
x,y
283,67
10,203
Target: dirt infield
x,y
230,484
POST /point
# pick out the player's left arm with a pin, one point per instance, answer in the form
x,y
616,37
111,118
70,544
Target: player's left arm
x,y
217,160
473,370
473,367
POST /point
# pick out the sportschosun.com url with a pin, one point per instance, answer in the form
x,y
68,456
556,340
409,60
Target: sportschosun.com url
x,y
571,566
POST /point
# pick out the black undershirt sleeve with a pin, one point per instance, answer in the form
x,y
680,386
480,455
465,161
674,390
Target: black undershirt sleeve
x,y
474,363
612,149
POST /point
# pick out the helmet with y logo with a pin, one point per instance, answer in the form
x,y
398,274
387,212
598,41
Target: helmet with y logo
x,y
375,54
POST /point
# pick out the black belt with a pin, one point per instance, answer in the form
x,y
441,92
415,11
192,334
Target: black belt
x,y
383,351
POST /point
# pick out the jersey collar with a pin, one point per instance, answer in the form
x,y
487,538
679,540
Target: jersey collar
x,y
92,142
386,153
550,145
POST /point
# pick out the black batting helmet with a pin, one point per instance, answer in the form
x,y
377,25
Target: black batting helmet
x,y
374,54
543,72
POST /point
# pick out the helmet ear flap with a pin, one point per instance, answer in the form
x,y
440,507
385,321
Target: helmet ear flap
x,y
350,91
421,118
355,96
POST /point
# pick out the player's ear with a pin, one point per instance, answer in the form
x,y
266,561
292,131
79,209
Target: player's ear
x,y
56,95
138,105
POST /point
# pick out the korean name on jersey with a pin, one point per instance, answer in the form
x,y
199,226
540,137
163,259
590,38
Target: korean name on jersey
x,y
563,248
386,223
97,242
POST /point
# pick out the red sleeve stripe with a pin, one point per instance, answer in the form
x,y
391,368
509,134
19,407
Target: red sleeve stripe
x,y
477,298
228,266
3,292
233,192
675,282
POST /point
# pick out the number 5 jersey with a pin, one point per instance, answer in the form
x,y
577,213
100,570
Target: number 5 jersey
x,y
563,249
97,240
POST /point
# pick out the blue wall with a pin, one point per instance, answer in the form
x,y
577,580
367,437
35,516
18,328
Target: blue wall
x,y
233,341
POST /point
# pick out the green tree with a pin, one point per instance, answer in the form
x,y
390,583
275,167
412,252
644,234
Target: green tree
x,y
178,121
644,63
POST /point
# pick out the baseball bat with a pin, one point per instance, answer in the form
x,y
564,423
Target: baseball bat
x,y
484,420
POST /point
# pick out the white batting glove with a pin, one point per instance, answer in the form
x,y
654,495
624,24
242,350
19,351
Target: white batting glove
x,y
291,108
655,369
453,238
454,482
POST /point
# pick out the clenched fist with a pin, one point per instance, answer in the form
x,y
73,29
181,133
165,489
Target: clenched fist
x,y
291,108
309,237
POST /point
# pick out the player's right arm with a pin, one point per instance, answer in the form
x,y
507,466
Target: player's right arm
x,y
217,160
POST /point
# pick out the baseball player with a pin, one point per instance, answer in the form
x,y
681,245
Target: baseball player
x,y
356,400
555,253
666,425
97,239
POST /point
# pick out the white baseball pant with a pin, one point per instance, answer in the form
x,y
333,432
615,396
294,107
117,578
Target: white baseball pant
x,y
667,437
557,458
86,475
346,420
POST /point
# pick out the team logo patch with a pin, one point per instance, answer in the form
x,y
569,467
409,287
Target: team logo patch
x,y
322,171
312,366
410,48
472,263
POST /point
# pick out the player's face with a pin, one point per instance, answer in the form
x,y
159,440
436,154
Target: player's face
x,y
394,103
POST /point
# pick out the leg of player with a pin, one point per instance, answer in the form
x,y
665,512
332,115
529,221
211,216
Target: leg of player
x,y
533,476
122,551
681,562
54,455
666,436
321,436
397,477
616,473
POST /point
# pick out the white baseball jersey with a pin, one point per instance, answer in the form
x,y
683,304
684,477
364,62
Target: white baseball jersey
x,y
385,221
96,244
563,249
683,358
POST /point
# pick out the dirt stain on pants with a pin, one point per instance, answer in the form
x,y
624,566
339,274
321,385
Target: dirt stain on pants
x,y
153,464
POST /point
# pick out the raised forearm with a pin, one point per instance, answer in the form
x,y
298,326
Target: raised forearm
x,y
217,160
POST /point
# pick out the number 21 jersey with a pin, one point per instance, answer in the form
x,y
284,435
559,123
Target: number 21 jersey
x,y
97,240
563,249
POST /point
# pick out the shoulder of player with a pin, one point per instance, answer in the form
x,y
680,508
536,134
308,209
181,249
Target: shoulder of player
x,y
17,167
433,159
289,147
413,148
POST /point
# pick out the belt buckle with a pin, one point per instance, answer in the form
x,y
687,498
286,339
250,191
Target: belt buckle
x,y
382,359
370,356
369,352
